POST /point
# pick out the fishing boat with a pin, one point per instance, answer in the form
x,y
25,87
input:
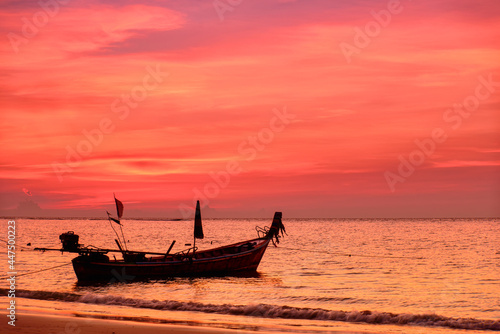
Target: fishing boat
x,y
94,264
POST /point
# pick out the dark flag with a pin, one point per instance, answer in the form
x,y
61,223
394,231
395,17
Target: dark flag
x,y
119,207
198,228
115,220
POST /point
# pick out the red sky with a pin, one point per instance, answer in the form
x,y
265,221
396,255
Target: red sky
x,y
311,104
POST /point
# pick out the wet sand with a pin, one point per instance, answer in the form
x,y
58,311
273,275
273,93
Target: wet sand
x,y
27,323
36,324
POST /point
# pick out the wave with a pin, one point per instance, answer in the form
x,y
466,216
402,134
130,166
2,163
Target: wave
x,y
269,311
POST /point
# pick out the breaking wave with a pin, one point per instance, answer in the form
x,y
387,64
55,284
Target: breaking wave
x,y
270,311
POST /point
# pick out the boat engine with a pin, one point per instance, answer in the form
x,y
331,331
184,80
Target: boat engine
x,y
69,241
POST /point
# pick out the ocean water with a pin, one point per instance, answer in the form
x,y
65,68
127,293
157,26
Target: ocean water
x,y
326,275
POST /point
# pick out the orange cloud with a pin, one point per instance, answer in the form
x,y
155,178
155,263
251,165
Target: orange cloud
x,y
352,120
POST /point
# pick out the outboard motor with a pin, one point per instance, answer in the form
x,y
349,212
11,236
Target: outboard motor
x,y
69,241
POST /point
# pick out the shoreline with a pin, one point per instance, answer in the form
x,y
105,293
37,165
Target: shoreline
x,y
28,323
75,323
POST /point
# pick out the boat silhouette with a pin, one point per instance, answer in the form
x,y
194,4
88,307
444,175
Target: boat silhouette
x,y
94,264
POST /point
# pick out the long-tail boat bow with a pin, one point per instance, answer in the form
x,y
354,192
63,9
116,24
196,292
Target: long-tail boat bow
x,y
277,227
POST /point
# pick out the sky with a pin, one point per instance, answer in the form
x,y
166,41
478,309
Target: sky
x,y
315,108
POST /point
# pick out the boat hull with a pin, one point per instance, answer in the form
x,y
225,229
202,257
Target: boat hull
x,y
234,259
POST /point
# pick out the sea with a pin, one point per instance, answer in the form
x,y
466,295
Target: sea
x,y
325,275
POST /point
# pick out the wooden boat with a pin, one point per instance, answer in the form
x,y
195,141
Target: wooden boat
x,y
93,264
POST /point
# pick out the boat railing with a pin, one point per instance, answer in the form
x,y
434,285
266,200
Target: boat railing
x,y
186,253
262,232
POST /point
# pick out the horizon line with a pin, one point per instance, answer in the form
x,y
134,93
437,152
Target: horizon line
x,y
191,218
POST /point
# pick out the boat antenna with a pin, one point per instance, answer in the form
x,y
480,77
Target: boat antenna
x,y
111,224
119,213
123,236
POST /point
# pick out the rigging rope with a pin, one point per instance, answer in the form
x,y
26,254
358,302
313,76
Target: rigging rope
x,y
17,246
350,254
37,271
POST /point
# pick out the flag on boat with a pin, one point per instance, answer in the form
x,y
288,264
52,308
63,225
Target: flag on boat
x,y
119,207
113,219
198,228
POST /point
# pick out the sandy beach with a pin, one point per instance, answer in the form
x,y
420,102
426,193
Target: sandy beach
x,y
60,324
28,323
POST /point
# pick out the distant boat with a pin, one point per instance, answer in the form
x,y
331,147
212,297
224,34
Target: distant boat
x,y
93,264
